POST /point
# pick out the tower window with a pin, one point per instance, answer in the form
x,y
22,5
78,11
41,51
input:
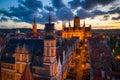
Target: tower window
x,y
47,44
52,44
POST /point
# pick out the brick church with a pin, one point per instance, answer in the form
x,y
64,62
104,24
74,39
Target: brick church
x,y
76,30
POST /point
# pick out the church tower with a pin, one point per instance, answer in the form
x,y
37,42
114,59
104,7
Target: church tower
x,y
34,28
50,61
76,22
69,26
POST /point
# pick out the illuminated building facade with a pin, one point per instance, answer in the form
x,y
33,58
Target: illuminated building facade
x,y
76,30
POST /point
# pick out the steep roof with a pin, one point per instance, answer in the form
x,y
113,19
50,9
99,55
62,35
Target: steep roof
x,y
27,75
34,47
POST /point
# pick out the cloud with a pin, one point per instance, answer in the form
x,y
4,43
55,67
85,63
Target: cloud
x,y
26,10
32,4
116,18
74,4
88,4
3,19
58,4
44,17
115,10
104,18
49,8
82,13
64,14
111,11
97,13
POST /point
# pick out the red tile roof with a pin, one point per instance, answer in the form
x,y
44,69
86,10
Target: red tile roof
x,y
27,75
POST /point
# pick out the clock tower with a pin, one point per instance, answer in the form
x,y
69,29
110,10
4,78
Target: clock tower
x,y
50,61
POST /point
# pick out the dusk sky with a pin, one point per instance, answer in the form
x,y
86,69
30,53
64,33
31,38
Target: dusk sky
x,y
101,14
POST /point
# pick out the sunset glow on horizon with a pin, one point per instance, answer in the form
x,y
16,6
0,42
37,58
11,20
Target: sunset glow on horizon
x,y
20,13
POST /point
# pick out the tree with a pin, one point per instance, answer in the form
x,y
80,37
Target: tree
x,y
117,51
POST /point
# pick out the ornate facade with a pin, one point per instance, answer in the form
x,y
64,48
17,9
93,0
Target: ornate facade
x,y
76,30
13,66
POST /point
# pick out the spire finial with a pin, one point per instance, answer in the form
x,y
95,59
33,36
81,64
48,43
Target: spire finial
x,y
84,22
49,15
69,24
34,20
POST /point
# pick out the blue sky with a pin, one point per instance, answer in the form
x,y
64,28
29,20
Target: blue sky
x,y
101,14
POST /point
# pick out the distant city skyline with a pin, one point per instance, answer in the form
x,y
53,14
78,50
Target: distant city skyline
x,y
101,14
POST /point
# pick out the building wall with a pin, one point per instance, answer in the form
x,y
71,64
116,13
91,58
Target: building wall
x,y
76,30
7,71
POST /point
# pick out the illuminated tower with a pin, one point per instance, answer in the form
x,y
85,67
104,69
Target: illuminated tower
x,y
63,25
69,26
76,22
50,61
34,28
22,57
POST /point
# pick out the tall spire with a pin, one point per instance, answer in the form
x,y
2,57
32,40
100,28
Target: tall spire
x,y
49,15
84,23
69,24
34,21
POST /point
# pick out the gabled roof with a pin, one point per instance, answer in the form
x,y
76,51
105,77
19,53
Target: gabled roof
x,y
34,47
27,75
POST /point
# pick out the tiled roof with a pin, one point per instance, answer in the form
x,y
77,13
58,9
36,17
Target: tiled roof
x,y
34,46
27,75
101,59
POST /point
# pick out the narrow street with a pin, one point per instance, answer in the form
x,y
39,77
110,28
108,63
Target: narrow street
x,y
79,71
80,65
